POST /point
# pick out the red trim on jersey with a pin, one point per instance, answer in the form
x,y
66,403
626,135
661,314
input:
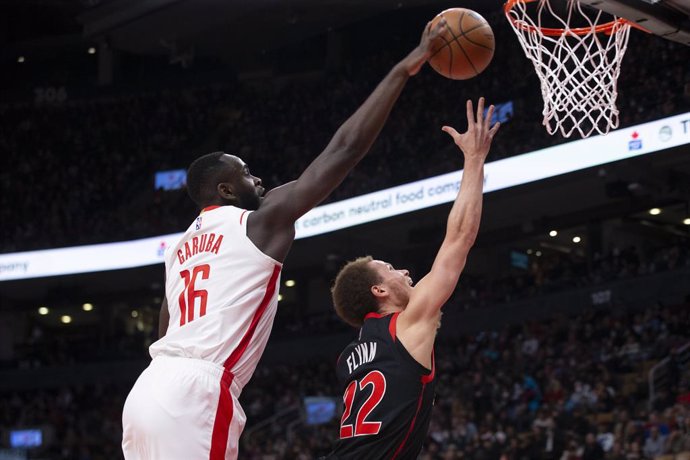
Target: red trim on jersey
x,y
430,376
210,208
221,425
392,325
373,314
244,343
419,405
241,216
224,413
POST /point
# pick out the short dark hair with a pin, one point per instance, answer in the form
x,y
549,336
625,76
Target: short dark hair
x,y
200,175
351,291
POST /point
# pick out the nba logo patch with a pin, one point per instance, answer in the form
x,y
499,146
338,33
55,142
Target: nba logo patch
x,y
161,249
198,223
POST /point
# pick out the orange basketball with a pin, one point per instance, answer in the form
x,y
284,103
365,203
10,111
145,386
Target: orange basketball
x,y
467,46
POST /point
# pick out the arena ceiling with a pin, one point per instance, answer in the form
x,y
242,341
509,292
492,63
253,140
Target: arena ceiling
x,y
228,28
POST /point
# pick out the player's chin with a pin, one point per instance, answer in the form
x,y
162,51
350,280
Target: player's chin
x,y
254,203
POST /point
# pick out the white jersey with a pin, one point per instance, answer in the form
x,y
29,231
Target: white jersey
x,y
222,294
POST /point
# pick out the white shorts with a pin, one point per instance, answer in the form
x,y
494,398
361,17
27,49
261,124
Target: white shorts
x,y
181,408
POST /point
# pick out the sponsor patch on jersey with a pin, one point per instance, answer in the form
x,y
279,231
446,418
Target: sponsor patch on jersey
x,y
198,223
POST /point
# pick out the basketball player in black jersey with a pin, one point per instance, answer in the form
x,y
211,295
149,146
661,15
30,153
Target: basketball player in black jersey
x,y
388,373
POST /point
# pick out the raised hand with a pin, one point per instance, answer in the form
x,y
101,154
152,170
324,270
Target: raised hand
x,y
416,59
476,141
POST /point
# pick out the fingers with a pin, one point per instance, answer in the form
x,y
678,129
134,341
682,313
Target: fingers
x,y
494,129
450,130
470,113
489,117
439,28
480,111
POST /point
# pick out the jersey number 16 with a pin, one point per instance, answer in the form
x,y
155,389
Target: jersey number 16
x,y
189,294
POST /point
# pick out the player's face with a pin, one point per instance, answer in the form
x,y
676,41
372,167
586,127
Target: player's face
x,y
246,187
397,282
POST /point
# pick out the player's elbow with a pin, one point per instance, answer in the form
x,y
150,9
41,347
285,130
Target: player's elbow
x,y
465,240
349,142
468,240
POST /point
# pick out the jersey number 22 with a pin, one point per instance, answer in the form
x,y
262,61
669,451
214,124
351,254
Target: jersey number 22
x,y
363,427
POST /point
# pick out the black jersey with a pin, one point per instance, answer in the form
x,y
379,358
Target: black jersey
x,y
388,396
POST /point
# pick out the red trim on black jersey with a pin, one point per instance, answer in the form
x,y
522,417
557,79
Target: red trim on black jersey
x,y
210,208
241,216
221,425
393,325
373,314
414,419
430,376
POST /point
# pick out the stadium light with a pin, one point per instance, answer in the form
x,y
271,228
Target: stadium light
x,y
553,233
686,221
92,50
280,297
290,283
21,59
43,311
87,307
538,253
66,319
135,314
576,239
655,211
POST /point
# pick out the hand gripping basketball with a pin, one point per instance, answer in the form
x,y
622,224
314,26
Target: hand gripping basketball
x,y
427,44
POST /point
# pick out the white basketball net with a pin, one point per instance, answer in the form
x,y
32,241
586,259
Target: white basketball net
x,y
578,71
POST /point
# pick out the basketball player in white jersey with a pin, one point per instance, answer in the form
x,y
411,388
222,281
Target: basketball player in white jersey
x,y
222,286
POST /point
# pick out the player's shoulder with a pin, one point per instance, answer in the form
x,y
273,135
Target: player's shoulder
x,y
378,320
213,211
220,215
378,327
375,328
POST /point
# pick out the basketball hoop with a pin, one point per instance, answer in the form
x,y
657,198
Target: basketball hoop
x,y
578,66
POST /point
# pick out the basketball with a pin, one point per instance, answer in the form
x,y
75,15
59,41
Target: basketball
x,y
467,46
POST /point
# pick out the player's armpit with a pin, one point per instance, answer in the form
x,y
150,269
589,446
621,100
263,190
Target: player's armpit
x,y
272,227
278,206
434,290
163,318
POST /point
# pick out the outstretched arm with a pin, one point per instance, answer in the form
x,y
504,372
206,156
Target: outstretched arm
x,y
284,205
432,291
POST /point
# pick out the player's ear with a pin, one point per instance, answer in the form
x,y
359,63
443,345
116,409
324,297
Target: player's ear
x,y
378,291
225,191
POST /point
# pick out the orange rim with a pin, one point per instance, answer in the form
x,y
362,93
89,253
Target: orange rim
x,y
606,28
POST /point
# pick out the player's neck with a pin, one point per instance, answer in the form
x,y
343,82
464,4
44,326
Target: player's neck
x,y
389,309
